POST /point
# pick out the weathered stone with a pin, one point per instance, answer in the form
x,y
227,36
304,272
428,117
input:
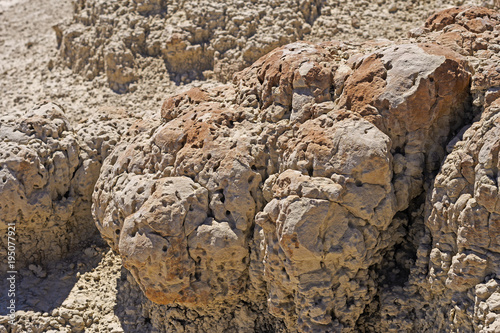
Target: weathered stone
x,y
280,166
43,199
202,39
329,187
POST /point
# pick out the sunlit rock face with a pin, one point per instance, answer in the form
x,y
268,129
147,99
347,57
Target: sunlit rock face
x,y
283,188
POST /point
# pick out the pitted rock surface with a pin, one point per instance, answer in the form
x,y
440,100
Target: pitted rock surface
x,y
202,39
278,167
328,187
453,278
46,185
462,220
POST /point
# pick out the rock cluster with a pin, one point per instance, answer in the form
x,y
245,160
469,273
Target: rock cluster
x,y
452,285
198,39
286,188
327,187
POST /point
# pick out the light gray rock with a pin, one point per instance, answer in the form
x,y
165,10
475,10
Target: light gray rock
x,y
203,39
41,192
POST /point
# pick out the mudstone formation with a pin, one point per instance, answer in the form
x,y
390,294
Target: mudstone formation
x,y
328,187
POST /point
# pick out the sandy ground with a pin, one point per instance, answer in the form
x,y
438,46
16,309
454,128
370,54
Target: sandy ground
x,y
29,72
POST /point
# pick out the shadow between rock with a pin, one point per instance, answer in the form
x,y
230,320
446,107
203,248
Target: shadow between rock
x,y
43,289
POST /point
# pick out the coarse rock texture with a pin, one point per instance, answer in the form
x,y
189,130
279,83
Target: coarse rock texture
x,y
287,179
463,223
46,184
198,39
300,197
472,32
453,283
48,171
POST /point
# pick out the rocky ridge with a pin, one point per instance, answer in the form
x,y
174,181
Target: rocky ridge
x,y
251,198
202,39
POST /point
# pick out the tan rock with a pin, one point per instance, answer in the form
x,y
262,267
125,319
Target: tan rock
x,y
291,182
201,39
42,197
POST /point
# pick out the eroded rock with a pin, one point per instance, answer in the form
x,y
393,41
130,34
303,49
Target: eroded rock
x,y
284,179
202,39
462,217
454,254
46,184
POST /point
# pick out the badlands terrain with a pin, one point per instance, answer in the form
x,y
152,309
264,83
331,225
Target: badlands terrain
x,y
249,166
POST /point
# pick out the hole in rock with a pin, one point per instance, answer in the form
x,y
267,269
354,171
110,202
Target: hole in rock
x,y
310,170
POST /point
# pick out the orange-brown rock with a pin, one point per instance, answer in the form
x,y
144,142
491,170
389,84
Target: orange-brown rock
x,y
474,19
